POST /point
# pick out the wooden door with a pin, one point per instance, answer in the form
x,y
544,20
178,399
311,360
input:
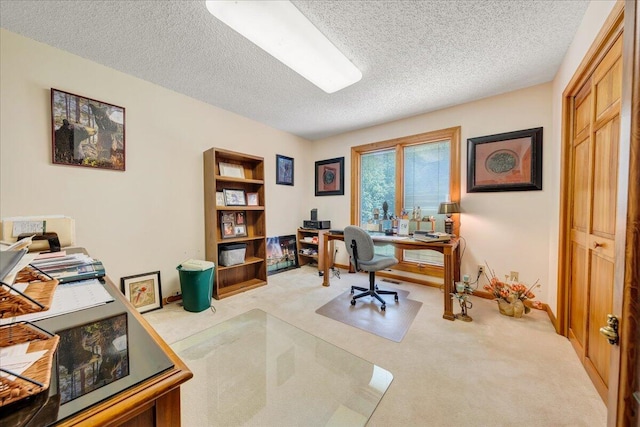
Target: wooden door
x,y
594,180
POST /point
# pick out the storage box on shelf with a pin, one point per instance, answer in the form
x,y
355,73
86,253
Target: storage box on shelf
x,y
245,173
310,244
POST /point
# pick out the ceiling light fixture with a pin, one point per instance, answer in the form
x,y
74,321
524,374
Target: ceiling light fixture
x,y
280,29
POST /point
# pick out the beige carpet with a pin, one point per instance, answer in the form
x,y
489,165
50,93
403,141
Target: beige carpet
x,y
392,323
495,371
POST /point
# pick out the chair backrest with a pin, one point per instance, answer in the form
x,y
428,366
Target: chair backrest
x,y
363,241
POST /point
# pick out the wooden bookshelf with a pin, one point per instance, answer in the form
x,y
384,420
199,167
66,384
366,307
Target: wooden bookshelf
x,y
252,273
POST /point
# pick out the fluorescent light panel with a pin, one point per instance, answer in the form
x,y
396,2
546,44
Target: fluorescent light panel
x,y
282,31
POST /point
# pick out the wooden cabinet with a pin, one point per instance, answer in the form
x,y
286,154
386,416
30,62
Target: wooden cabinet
x,y
228,170
310,244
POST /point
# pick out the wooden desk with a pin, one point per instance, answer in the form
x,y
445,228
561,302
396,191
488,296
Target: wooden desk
x,y
449,250
154,401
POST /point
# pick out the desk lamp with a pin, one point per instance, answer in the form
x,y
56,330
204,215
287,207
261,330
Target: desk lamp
x,y
449,208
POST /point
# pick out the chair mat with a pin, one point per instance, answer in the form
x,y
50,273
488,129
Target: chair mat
x,y
392,324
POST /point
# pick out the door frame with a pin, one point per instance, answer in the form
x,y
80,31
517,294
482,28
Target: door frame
x,y
622,408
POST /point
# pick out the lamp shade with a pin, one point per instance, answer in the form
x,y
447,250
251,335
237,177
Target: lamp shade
x,y
449,208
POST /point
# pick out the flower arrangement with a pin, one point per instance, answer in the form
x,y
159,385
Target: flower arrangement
x,y
510,293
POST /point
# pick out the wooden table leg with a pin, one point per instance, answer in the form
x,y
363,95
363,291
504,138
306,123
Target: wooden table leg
x,y
325,249
449,273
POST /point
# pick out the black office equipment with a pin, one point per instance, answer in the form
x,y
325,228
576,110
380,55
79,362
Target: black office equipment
x,y
316,225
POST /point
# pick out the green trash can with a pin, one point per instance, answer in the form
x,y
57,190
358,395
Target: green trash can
x,y
196,284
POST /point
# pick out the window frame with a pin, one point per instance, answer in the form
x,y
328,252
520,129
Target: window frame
x,y
398,144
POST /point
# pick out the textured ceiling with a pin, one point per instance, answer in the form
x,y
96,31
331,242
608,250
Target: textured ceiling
x,y
415,56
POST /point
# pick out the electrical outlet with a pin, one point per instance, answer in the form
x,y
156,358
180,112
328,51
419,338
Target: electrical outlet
x,y
480,269
513,276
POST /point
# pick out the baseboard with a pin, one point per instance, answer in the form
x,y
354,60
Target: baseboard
x,y
476,292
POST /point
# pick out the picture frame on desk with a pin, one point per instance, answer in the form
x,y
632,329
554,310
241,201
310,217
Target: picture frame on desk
x,y
86,132
234,197
92,369
329,177
143,291
509,161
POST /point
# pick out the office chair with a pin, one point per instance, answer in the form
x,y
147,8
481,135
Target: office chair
x,y
359,245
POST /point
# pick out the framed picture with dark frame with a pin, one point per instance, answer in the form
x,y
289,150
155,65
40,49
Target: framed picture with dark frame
x,y
284,170
86,132
91,356
143,291
330,177
509,161
234,197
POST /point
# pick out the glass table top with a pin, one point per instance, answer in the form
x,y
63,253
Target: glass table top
x,y
256,369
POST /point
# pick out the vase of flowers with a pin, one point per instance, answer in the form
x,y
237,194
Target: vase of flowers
x,y
510,296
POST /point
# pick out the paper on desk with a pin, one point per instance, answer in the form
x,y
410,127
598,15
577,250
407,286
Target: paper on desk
x,y
26,259
69,297
17,360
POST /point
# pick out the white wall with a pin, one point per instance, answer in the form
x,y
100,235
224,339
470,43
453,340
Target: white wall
x,y
149,217
592,22
508,230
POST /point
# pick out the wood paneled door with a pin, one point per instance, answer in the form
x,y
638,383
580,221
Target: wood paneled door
x,y
599,266
591,166
594,153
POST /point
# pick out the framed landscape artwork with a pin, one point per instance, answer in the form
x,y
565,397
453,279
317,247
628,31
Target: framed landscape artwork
x,y
86,132
330,177
143,291
91,356
281,254
509,161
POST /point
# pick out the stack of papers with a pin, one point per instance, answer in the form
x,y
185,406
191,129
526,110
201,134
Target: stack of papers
x,y
67,298
16,360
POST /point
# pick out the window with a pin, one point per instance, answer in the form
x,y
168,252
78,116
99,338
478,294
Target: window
x,y
413,174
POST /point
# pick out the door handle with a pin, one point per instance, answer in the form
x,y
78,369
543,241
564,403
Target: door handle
x,y
597,245
611,330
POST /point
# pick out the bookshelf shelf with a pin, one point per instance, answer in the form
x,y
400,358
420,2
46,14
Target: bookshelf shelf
x,y
230,280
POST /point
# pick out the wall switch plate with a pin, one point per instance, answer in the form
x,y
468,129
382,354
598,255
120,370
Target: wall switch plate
x,y
513,276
